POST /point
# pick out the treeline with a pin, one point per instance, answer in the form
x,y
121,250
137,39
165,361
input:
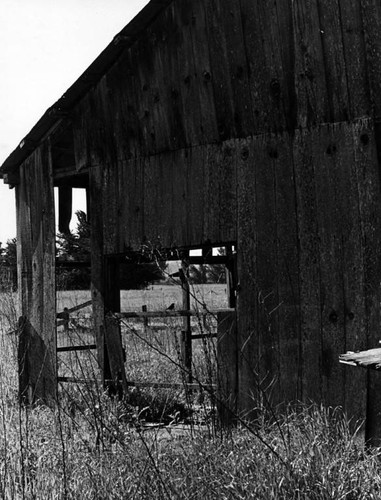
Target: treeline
x,y
73,248
8,265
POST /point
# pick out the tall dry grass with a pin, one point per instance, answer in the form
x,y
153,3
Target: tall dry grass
x,y
95,447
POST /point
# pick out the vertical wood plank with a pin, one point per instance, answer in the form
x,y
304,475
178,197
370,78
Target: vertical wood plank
x,y
186,333
309,267
227,364
65,198
264,153
131,199
196,202
288,311
328,155
111,206
97,291
179,176
149,108
371,18
211,192
124,102
223,94
353,273
116,371
203,71
220,192
232,44
268,43
248,340
190,76
330,27
36,267
369,195
310,78
355,58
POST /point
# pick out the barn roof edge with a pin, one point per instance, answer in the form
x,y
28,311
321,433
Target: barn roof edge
x,y
125,38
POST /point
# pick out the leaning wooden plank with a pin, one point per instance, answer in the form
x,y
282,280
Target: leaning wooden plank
x,y
77,308
361,354
364,358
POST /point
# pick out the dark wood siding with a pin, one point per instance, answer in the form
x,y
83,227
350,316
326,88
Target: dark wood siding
x,y
36,276
250,122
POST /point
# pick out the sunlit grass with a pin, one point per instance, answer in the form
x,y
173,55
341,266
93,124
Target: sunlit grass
x,y
95,447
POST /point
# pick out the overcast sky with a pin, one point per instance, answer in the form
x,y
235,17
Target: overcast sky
x,y
45,45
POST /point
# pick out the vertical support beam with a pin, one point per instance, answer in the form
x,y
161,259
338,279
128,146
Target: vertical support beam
x,y
36,279
145,320
115,355
113,351
231,277
186,334
65,202
227,368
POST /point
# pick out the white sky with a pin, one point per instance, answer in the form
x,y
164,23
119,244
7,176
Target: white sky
x,y
45,45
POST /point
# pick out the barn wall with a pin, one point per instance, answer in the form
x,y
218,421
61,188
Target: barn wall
x,y
205,72
251,122
309,262
36,276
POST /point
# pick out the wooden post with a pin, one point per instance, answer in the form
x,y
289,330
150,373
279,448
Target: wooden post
x,y
65,201
115,355
186,334
113,349
145,319
36,279
231,277
227,367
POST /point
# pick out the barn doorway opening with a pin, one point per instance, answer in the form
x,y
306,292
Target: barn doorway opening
x,y
162,337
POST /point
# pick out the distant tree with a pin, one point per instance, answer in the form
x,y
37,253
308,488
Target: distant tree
x,y
75,246
8,262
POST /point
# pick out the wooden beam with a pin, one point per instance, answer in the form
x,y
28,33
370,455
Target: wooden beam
x,y
227,367
65,202
12,178
186,334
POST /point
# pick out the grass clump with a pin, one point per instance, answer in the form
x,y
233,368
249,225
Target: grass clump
x,y
106,452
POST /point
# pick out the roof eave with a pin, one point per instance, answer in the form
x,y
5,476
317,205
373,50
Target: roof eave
x,y
53,116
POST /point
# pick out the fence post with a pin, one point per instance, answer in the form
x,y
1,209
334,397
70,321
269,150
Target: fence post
x,y
186,334
145,319
116,355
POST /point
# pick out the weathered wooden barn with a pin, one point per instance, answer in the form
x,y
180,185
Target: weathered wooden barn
x,y
244,123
